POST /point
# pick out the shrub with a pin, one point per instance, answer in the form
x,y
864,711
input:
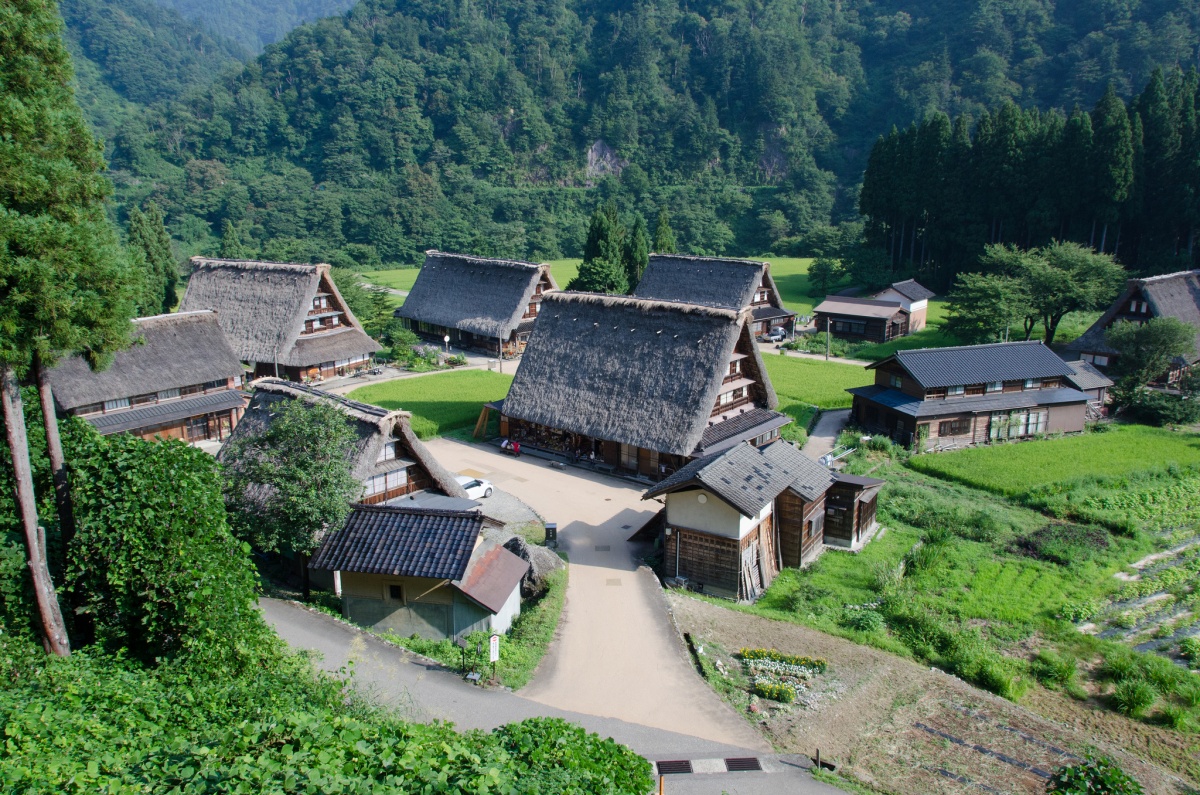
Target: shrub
x,y
1092,776
1189,649
1078,611
862,620
1189,693
555,756
924,558
1118,667
776,691
1054,670
937,535
886,577
1133,697
1177,717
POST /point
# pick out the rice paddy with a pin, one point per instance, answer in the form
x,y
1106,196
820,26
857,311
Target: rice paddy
x,y
441,402
813,381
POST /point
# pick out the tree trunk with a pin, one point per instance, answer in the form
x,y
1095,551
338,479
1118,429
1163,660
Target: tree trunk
x,y
305,578
1000,232
1104,237
1092,239
900,248
912,246
1117,242
58,463
54,631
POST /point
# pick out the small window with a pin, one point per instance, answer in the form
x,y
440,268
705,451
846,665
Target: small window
x,y
388,453
219,384
119,403
896,381
956,427
956,390
1029,383
1100,361
995,386
141,400
396,593
167,394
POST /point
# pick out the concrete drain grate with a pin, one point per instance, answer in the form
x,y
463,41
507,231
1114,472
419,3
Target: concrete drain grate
x,y
614,581
742,764
674,767
603,548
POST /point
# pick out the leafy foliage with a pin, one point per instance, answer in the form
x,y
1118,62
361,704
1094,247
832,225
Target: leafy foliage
x,y
1147,350
148,236
1093,776
293,479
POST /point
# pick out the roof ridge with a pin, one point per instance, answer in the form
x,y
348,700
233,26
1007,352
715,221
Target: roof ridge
x,y
971,347
258,264
173,315
423,511
515,263
702,258
1162,277
278,385
645,304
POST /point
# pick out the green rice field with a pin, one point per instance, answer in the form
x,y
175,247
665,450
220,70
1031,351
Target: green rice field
x,y
813,381
1016,469
439,403
395,278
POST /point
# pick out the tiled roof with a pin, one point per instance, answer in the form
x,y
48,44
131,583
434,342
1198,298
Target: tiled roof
x,y
725,434
857,307
769,312
913,291
166,412
749,479
979,364
404,542
997,401
1084,376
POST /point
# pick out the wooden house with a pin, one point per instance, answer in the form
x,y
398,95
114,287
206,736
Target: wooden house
x,y
973,394
179,380
287,321
1093,383
913,299
1174,295
388,458
641,386
477,302
734,519
735,284
420,571
865,319
850,507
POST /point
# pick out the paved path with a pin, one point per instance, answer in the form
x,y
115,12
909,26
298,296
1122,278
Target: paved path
x,y
825,432
771,349
423,692
617,654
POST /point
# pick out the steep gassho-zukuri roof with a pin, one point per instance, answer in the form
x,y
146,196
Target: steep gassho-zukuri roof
x,y
748,478
168,352
373,425
1174,295
708,281
475,294
262,307
979,364
644,373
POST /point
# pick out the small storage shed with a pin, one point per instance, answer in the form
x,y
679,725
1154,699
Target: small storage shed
x,y
850,507
422,571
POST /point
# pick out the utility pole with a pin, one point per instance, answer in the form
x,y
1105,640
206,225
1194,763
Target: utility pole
x,y
500,354
827,338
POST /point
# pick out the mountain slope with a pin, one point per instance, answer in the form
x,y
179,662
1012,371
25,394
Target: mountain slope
x,y
254,23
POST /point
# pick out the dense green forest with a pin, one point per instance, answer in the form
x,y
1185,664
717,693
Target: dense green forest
x,y
255,23
1121,179
497,127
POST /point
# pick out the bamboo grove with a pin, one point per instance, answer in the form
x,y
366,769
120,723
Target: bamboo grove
x,y
1123,179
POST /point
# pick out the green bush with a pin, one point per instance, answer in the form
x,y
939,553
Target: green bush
x,y
1119,666
1189,649
1189,692
556,756
776,691
1133,697
1093,776
1054,670
862,620
1178,718
924,558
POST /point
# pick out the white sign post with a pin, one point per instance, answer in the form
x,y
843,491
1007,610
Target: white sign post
x,y
494,653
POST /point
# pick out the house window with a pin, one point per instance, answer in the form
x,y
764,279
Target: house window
x,y
895,381
935,394
167,394
1049,383
1016,424
396,593
141,400
849,327
388,453
956,390
119,403
91,408
995,386
1096,359
375,485
533,308
808,529
396,479
760,297
219,384
735,367
955,427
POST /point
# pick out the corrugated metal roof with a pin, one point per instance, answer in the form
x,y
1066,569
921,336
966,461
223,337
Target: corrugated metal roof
x,y
857,307
403,542
492,577
997,401
166,412
979,364
1084,376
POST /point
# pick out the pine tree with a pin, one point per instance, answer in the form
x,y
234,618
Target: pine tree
x,y
64,288
231,243
159,251
152,284
664,238
1112,154
603,267
637,252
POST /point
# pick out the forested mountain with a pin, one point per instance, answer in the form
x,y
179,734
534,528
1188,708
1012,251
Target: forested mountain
x,y
496,127
134,51
255,23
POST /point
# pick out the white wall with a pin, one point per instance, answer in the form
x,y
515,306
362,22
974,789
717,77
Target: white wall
x,y
891,295
511,609
712,516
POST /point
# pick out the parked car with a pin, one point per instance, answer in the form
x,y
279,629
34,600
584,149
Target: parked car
x,y
776,334
476,488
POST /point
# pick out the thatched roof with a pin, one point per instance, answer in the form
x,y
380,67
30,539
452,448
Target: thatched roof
x,y
708,281
168,352
483,296
645,373
262,307
1174,295
373,425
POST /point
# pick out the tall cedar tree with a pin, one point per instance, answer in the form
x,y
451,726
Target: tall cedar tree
x,y
637,252
603,267
664,237
64,285
148,234
291,482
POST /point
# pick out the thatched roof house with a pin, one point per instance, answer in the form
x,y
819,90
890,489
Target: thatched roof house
x,y
283,319
1174,295
179,379
388,457
476,301
643,385
720,282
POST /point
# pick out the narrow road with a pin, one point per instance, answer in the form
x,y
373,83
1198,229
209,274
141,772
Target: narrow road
x,y
617,654
825,432
421,692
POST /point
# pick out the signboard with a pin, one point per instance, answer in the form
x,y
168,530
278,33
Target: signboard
x,y
494,649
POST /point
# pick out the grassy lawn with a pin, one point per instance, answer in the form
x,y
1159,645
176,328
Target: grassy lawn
x,y
564,270
791,277
441,402
813,382
1016,469
928,337
396,278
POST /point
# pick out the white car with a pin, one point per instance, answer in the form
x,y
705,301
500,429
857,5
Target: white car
x,y
476,488
776,334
